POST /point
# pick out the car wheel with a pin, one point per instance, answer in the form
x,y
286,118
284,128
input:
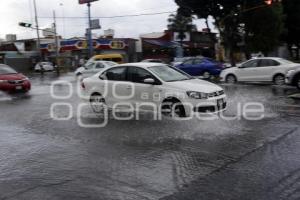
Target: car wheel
x,y
231,79
206,75
279,79
173,108
97,103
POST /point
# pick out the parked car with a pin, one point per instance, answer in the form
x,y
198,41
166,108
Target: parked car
x,y
293,77
118,58
172,91
264,69
178,61
153,61
46,66
93,67
205,67
12,81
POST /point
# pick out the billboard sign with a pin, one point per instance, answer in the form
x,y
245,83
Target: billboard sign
x,y
95,24
49,32
186,38
86,1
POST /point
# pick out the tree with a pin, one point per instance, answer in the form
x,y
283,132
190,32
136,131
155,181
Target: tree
x,y
225,14
235,26
291,9
181,24
263,28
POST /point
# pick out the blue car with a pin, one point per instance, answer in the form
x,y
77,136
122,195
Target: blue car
x,y
205,67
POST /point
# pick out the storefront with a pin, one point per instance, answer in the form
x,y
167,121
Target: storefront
x,y
163,46
78,48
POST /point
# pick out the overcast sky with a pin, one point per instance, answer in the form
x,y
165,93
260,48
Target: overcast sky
x,y
15,11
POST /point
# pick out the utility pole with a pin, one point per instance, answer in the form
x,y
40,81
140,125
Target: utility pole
x,y
56,43
63,15
90,39
37,29
89,30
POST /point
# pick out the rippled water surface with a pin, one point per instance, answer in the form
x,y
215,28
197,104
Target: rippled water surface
x,y
41,158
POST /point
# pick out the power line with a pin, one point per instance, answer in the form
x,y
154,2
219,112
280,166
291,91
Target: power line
x,y
118,16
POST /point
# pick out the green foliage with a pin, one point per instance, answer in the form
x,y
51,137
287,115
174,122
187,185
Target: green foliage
x,y
263,28
181,24
252,22
291,9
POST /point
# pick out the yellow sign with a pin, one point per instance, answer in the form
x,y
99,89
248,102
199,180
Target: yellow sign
x,y
82,45
117,44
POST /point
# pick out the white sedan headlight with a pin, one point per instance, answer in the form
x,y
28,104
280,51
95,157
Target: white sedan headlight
x,y
197,95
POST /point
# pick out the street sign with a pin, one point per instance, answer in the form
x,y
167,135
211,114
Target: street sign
x,y
49,32
95,24
86,1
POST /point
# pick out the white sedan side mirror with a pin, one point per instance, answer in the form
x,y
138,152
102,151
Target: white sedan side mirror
x,y
149,81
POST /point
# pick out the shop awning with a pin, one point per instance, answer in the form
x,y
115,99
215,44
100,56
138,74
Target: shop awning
x,y
162,43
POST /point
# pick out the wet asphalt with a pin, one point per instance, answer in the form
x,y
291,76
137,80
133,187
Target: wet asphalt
x,y
42,158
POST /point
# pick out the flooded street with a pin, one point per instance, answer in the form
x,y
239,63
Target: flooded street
x,y
41,158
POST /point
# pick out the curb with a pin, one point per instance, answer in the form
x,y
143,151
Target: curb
x,y
295,96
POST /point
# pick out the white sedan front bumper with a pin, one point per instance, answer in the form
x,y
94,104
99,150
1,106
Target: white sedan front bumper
x,y
212,105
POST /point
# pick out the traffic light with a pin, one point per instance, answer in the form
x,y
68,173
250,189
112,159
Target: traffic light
x,y
27,25
270,2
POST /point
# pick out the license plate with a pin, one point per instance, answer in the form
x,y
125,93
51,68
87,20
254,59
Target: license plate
x,y
19,87
220,102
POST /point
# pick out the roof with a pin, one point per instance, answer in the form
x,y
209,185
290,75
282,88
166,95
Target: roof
x,y
100,56
153,35
274,58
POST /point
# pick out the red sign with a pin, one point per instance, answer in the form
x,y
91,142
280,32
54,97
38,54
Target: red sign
x,y
86,1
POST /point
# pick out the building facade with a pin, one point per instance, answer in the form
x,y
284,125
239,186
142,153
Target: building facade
x,y
24,54
163,45
78,48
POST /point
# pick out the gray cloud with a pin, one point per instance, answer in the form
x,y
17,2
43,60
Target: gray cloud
x,y
14,11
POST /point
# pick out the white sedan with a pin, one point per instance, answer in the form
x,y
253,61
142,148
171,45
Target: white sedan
x,y
266,69
93,67
45,66
152,87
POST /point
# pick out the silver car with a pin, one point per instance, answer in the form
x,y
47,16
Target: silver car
x,y
293,77
93,67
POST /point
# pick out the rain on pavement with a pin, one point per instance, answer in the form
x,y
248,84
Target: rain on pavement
x,y
41,158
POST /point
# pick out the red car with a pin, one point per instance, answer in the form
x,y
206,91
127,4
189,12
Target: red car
x,y
12,81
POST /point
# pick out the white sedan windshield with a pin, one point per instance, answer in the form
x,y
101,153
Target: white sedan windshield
x,y
111,63
169,74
